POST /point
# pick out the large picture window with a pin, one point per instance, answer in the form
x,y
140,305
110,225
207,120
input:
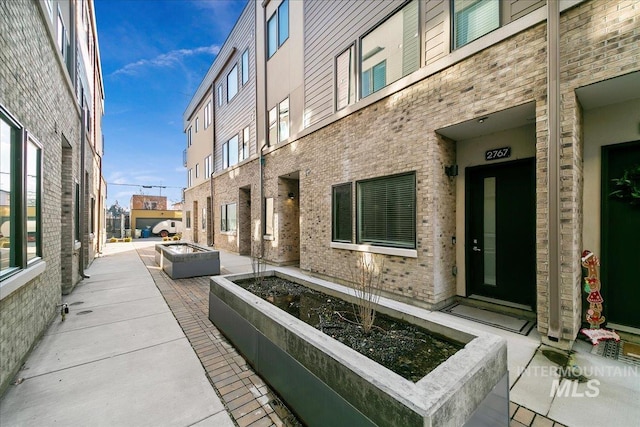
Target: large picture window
x,y
391,51
473,19
20,196
228,217
341,203
386,211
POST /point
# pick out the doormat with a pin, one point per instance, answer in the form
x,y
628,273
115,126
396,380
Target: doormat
x,y
623,351
491,318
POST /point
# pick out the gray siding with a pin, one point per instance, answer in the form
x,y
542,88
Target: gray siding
x,y
329,28
233,116
519,8
435,35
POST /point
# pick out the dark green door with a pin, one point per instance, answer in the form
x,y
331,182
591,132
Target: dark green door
x,y
620,228
500,235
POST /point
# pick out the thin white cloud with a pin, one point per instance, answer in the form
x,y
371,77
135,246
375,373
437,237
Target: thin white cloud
x,y
166,59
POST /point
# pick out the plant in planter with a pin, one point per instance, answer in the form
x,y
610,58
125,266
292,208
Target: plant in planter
x,y
627,187
367,277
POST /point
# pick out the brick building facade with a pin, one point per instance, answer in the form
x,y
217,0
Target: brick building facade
x,y
46,119
501,201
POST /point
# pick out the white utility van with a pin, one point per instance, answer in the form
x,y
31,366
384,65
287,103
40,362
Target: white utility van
x,y
167,227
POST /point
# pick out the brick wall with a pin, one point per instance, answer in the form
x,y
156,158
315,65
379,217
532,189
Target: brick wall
x,y
39,97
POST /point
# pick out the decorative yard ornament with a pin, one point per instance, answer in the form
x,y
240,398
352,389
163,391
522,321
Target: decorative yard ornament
x,y
597,335
592,286
594,314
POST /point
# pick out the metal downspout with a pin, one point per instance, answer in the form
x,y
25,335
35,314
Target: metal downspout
x,y
266,137
83,189
554,332
213,162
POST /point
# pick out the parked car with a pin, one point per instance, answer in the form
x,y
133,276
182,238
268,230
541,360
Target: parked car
x,y
168,227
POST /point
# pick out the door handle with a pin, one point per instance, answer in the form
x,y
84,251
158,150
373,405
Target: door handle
x,y
476,249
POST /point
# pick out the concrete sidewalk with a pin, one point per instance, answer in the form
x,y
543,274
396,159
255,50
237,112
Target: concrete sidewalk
x,y
119,358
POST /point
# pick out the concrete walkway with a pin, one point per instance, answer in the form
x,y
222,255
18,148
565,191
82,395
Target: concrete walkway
x,y
124,356
119,359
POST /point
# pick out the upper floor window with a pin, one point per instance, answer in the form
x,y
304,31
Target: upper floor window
x,y
219,95
283,22
345,78
189,178
207,166
187,219
61,34
279,122
197,170
189,140
207,115
20,196
283,114
273,125
244,153
232,83
245,66
230,152
197,124
473,19
278,28
391,51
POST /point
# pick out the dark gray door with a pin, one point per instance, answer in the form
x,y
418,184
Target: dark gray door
x,y
620,238
500,243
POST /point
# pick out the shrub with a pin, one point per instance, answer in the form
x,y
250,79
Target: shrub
x,y
113,240
367,278
127,239
164,239
176,238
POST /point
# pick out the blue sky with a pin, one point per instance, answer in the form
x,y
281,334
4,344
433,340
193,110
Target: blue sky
x,y
154,55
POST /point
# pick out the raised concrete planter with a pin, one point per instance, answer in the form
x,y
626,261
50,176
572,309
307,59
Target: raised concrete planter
x,y
327,383
180,260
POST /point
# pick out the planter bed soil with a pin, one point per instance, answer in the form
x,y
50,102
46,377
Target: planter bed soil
x,y
406,349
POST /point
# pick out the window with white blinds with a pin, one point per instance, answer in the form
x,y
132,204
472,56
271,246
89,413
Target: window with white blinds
x,y
473,19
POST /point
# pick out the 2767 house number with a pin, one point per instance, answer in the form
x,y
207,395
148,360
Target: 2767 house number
x,y
497,153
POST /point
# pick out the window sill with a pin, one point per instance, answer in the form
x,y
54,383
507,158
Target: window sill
x,y
267,237
228,233
407,253
18,280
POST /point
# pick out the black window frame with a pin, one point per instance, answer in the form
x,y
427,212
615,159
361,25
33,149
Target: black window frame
x,y
335,217
19,207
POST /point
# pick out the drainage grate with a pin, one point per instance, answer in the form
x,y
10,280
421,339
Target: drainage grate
x,y
611,349
84,312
